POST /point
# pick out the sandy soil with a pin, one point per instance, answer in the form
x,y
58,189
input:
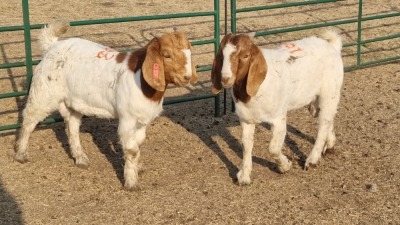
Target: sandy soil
x,y
190,158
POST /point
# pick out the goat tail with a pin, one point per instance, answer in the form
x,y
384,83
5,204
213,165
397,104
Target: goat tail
x,y
51,32
333,38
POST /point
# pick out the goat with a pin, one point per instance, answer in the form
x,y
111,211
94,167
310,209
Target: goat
x,y
267,83
78,77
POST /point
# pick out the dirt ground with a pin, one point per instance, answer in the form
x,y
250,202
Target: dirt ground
x,y
190,158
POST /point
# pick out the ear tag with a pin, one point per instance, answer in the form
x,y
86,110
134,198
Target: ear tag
x,y
156,70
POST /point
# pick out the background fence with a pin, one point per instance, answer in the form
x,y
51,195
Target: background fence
x,y
29,63
27,27
359,20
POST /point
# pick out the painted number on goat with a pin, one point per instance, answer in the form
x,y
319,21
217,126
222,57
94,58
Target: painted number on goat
x,y
292,47
107,54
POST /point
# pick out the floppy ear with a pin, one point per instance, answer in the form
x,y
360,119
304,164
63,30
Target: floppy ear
x,y
216,74
217,67
257,71
153,67
194,77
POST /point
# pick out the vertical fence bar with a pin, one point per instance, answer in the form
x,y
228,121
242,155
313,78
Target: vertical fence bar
x,y
225,32
233,16
359,27
28,45
217,98
233,30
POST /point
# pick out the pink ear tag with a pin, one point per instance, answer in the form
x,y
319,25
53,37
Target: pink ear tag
x,y
156,70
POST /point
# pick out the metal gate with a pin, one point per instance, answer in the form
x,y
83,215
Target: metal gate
x,y
28,63
234,11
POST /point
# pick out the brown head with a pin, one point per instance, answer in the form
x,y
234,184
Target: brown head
x,y
239,63
165,59
168,60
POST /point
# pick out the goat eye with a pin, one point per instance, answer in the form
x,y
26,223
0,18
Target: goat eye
x,y
246,56
166,55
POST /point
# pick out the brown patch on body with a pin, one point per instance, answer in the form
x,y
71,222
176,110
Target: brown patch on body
x,y
120,57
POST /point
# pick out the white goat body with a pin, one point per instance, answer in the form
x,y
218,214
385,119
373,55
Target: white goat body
x,y
307,71
293,80
78,77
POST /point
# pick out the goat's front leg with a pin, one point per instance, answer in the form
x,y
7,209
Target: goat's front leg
x,y
127,131
243,175
275,147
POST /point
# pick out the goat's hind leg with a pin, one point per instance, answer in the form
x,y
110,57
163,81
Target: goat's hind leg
x,y
72,121
36,110
313,107
28,125
326,136
277,141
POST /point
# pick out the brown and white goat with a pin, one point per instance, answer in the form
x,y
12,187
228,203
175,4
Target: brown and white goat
x,y
78,77
267,83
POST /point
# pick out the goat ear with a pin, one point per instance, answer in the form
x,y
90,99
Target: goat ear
x,y
153,67
217,66
257,71
156,33
216,74
251,34
194,77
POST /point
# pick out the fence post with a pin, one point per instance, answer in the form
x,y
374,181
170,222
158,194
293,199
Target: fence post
x,y
217,99
359,28
233,31
28,45
233,16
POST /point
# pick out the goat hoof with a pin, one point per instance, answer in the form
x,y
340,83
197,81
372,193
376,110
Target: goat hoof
x,y
243,179
82,162
329,151
244,182
21,158
82,166
309,165
134,187
284,168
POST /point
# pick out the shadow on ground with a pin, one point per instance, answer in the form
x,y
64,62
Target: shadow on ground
x,y
10,212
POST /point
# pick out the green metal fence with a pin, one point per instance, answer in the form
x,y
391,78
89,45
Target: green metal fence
x,y
359,20
28,63
27,27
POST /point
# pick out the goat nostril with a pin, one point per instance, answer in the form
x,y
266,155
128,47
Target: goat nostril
x,y
225,79
187,77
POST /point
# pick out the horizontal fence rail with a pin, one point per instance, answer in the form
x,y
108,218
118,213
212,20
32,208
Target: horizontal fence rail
x,y
28,63
360,18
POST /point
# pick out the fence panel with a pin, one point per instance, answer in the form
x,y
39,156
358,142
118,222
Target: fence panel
x,y
27,27
359,20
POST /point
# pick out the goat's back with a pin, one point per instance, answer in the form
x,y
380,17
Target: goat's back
x,y
299,71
